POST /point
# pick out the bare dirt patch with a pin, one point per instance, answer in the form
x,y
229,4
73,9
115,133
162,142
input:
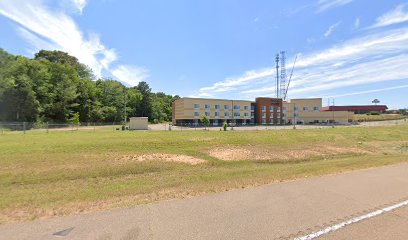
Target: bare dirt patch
x,y
161,157
250,153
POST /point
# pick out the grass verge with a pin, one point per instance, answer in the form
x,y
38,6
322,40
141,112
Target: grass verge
x,y
44,175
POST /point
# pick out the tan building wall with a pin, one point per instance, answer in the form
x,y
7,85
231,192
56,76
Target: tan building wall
x,y
215,109
306,110
309,111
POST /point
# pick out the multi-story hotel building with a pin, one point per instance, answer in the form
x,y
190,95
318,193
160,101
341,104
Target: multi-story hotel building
x,y
188,111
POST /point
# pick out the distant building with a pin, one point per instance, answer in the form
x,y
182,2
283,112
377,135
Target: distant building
x,y
360,109
138,123
267,111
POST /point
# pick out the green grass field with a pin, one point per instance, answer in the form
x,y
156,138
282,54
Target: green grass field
x,y
44,175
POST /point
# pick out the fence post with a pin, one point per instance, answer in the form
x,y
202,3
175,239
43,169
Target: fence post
x,y
24,127
47,127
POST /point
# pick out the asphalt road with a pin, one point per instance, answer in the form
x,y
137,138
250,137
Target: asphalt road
x,y
277,211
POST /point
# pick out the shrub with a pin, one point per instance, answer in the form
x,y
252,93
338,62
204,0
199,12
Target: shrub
x,y
224,126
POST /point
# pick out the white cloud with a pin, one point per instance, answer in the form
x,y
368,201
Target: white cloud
x,y
130,75
397,15
357,23
368,91
80,4
323,5
49,29
371,59
331,29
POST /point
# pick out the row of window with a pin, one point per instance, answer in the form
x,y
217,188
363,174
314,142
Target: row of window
x,y
226,114
272,108
217,106
278,115
305,109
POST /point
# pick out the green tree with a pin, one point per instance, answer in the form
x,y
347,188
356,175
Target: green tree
x,y
205,121
75,119
144,109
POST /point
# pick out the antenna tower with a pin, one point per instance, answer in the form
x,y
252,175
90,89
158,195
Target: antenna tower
x,y
282,89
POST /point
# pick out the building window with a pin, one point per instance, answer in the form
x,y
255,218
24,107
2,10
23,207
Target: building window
x,y
264,115
315,109
246,108
271,109
252,108
263,121
237,114
246,114
217,114
296,115
226,107
278,109
226,114
304,109
252,114
196,114
263,108
217,106
278,115
207,106
207,114
284,115
296,108
196,106
236,107
284,109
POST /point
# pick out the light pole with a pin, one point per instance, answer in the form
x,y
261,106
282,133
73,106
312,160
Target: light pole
x,y
124,109
333,114
294,116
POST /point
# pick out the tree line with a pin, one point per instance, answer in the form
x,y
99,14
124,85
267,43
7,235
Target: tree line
x,y
55,87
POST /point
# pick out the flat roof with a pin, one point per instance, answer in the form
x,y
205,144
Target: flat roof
x,y
219,99
356,108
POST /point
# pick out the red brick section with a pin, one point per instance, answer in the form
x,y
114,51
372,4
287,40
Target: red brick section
x,y
268,102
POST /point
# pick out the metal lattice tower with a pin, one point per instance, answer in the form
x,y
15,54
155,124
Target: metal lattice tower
x,y
282,89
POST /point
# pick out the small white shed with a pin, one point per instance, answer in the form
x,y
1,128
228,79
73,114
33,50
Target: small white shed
x,y
138,123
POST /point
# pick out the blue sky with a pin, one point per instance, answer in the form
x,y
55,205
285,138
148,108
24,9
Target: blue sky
x,y
352,50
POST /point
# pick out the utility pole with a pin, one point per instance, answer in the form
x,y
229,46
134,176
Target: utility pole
x,y
294,116
333,114
124,110
277,75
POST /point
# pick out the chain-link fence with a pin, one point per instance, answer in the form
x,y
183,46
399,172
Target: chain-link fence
x,y
30,127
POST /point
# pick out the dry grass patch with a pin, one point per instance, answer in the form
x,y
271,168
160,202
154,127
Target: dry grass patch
x,y
279,154
160,157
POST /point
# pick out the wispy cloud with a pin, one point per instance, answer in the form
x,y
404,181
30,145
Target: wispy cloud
x,y
367,92
377,57
397,15
357,23
50,29
131,75
331,29
80,4
324,5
